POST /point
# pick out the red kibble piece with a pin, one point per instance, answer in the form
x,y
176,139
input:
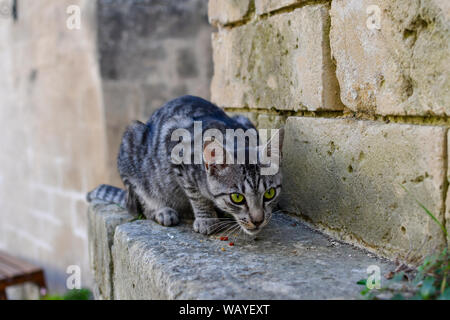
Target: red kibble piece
x,y
223,238
231,243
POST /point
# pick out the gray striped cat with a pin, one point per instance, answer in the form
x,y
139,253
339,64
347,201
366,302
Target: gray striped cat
x,y
212,190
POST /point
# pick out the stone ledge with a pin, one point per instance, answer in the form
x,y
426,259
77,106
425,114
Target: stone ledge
x,y
102,222
288,261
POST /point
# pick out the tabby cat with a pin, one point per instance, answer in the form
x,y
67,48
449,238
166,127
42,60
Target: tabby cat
x,y
212,190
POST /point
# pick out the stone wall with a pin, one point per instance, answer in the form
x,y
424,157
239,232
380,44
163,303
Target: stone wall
x,y
362,90
150,52
53,134
66,97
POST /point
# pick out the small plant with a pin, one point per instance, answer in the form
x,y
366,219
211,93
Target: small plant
x,y
74,294
139,217
430,281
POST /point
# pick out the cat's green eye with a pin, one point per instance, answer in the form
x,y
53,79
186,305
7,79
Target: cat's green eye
x,y
269,194
237,198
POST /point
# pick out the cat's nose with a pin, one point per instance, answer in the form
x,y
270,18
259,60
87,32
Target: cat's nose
x,y
257,223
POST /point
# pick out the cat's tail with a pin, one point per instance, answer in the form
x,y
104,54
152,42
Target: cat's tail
x,y
109,194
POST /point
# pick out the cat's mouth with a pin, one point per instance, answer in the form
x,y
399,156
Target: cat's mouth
x,y
252,232
251,229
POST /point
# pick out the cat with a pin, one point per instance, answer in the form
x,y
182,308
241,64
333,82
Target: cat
x,y
219,193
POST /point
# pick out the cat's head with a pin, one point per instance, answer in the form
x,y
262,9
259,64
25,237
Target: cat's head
x,y
249,192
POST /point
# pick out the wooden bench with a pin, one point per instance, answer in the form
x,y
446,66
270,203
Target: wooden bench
x,y
14,271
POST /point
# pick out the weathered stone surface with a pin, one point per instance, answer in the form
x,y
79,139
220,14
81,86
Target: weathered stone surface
x,y
262,121
400,68
228,11
281,62
447,205
345,176
102,221
289,261
266,6
252,116
267,121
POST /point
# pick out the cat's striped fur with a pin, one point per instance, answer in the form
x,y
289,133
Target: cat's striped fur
x,y
108,193
162,190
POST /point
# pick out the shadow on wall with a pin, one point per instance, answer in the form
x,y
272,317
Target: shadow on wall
x,y
150,52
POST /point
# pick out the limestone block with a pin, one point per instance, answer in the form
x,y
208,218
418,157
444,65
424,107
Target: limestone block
x,y
228,11
268,121
447,205
262,121
281,62
288,261
392,55
346,176
102,221
266,6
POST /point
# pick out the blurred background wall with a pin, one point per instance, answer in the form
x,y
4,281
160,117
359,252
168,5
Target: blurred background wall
x,y
150,52
65,98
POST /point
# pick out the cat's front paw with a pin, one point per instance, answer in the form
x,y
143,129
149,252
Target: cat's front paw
x,y
206,226
167,217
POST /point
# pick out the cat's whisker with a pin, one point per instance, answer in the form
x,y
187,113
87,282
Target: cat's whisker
x,y
237,232
221,218
219,222
227,228
278,211
222,229
220,226
233,228
245,236
242,235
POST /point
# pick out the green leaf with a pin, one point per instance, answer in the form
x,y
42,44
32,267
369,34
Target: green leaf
x,y
52,297
400,276
427,290
362,282
364,291
445,295
75,294
444,230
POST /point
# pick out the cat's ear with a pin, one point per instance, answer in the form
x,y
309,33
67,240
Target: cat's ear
x,y
214,156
